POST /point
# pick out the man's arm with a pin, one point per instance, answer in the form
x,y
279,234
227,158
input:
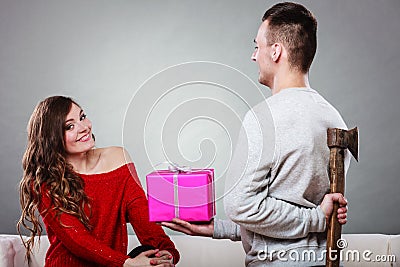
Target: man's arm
x,y
226,229
247,202
216,228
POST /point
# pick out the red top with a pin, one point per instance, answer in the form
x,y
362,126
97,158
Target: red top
x,y
116,198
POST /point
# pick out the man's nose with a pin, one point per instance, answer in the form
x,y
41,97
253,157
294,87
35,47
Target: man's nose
x,y
253,56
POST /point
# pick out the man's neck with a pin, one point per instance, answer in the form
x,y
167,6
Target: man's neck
x,y
289,80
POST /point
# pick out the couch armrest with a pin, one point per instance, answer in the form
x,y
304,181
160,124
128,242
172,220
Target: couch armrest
x,y
365,249
12,251
394,249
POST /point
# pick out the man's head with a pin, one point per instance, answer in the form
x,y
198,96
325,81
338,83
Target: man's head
x,y
291,27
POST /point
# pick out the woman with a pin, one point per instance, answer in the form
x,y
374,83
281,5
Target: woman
x,y
85,195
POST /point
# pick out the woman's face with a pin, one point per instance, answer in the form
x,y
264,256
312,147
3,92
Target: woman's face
x,y
78,131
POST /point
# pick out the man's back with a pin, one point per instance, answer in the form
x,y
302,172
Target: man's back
x,y
301,118
284,140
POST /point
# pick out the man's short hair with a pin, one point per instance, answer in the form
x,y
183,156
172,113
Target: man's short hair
x,y
295,27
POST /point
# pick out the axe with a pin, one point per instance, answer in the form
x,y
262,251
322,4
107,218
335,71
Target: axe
x,y
338,141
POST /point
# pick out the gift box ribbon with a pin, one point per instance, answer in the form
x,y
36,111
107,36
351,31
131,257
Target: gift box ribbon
x,y
176,169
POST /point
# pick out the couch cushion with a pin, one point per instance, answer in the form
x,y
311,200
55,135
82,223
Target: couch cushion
x,y
203,251
39,251
195,251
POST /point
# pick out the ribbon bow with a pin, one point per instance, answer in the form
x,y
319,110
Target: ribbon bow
x,y
173,167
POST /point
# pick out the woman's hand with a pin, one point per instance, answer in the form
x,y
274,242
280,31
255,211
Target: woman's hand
x,y
161,259
206,229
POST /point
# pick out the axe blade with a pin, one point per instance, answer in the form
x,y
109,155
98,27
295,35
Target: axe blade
x,y
344,139
352,142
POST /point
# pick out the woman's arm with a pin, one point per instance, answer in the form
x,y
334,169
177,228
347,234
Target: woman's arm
x,y
76,238
148,233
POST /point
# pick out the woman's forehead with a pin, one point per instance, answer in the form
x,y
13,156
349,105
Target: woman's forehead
x,y
74,111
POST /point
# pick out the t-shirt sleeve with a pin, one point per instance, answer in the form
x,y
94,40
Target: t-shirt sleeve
x,y
148,233
77,238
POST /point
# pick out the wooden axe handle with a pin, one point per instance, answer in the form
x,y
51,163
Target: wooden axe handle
x,y
338,141
336,168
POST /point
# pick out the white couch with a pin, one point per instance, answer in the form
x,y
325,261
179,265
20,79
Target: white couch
x,y
361,250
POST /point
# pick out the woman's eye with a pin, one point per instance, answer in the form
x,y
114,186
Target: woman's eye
x,y
83,117
69,127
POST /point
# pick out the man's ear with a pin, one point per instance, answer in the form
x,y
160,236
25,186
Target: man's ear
x,y
276,51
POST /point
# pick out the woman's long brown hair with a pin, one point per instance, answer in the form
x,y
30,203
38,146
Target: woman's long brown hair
x,y
44,164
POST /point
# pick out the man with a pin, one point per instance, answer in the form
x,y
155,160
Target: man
x,y
278,175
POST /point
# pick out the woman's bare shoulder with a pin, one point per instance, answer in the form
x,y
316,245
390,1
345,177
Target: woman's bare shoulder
x,y
113,157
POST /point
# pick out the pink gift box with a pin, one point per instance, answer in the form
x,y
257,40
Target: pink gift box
x,y
188,195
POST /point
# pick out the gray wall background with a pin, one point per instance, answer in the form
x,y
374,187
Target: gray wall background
x,y
103,53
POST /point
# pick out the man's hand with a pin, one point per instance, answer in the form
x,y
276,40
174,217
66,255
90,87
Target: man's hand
x,y
327,207
185,227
